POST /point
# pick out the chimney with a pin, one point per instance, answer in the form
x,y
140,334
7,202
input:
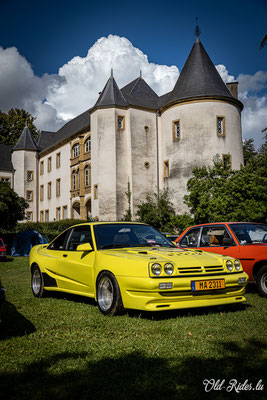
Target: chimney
x,y
233,88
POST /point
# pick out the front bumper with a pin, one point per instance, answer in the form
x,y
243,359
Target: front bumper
x,y
144,293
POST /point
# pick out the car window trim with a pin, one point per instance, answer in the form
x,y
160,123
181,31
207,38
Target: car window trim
x,y
64,243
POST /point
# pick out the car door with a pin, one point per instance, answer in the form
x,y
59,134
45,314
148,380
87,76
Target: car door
x,y
76,268
218,239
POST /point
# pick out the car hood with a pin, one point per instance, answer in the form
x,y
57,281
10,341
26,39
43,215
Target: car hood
x,y
186,258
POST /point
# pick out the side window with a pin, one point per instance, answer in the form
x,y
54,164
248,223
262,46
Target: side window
x,y
79,235
191,238
60,242
213,236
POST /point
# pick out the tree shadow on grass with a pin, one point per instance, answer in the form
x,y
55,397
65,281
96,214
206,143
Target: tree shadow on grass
x,y
13,323
73,375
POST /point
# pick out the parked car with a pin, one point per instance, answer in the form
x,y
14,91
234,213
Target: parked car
x,y
2,250
116,264
246,241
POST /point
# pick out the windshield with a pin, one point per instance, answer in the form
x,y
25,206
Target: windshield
x,y
110,236
250,233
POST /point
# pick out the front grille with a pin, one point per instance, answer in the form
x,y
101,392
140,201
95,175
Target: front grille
x,y
189,270
216,268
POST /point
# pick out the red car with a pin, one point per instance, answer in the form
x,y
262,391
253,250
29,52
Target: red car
x,y
244,240
2,250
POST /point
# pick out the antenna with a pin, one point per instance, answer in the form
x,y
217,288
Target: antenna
x,y
197,30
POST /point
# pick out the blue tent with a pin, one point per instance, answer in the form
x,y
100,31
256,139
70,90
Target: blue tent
x,y
24,241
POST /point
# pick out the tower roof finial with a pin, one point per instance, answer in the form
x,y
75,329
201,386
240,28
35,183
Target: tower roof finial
x,y
111,73
197,30
140,73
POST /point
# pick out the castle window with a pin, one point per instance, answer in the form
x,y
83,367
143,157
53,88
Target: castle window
x,y
49,164
29,195
88,145
41,216
58,160
58,214
220,126
46,215
41,192
227,161
74,180
76,150
29,216
29,176
95,192
41,168
176,131
87,175
166,169
6,179
65,212
49,190
121,122
58,187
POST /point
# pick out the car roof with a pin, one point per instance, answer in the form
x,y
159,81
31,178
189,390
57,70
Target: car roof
x,y
221,223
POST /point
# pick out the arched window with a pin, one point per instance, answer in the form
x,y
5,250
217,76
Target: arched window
x,y
76,150
87,175
74,180
88,145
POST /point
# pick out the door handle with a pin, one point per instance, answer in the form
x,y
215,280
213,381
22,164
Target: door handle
x,y
65,255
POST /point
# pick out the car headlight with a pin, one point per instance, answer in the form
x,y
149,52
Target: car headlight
x,y
168,269
156,269
237,265
229,265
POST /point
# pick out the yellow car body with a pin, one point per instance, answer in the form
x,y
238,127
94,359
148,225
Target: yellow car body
x,y
138,269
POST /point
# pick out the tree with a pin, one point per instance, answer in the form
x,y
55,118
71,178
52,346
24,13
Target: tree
x,y
218,193
128,215
156,211
249,150
12,207
13,123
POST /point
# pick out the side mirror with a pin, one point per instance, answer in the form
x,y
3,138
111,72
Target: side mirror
x,y
84,247
227,242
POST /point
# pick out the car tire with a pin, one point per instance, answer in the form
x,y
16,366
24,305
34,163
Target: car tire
x,y
262,281
108,294
37,282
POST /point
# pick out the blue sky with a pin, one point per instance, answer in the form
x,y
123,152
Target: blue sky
x,y
49,34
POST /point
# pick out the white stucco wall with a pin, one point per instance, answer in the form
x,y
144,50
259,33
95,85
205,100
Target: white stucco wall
x,y
62,173
199,142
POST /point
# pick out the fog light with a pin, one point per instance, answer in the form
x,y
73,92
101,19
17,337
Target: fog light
x,y
242,280
165,285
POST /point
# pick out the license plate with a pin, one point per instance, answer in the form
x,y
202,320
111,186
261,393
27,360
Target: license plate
x,y
211,284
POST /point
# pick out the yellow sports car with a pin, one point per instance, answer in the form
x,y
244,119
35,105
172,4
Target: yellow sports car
x,y
131,265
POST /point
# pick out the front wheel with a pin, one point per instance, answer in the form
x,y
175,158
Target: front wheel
x,y
37,282
108,294
262,281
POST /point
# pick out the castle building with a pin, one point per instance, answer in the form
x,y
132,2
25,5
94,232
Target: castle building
x,y
131,136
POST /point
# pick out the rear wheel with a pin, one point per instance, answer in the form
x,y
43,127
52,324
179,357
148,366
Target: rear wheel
x,y
108,294
262,281
37,282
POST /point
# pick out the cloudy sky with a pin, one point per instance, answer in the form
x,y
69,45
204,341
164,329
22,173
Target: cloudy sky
x,y
55,57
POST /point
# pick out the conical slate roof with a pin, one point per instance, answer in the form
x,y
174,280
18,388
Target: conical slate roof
x,y
199,78
26,141
139,93
111,95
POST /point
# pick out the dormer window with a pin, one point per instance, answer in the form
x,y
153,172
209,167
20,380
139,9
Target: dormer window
x,y
121,122
176,131
76,150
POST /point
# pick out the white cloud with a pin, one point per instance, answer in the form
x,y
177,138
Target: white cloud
x,y
20,88
54,99
86,76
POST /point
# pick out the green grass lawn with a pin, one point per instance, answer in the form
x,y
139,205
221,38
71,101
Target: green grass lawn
x,y
62,347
